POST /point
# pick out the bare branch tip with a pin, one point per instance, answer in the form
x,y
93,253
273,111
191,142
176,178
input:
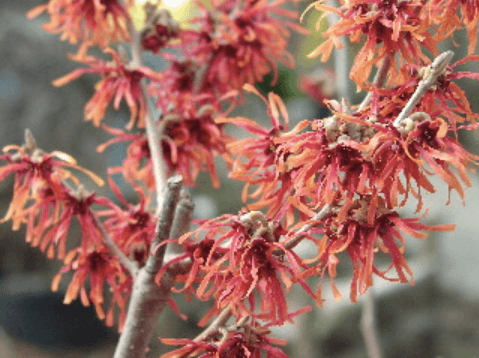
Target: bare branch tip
x,y
30,141
441,62
176,180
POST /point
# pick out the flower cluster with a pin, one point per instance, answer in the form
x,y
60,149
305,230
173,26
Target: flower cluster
x,y
45,202
241,44
363,164
241,264
228,44
231,43
90,22
339,182
120,81
251,342
394,26
390,27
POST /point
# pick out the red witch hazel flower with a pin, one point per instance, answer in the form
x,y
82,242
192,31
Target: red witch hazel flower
x,y
45,229
38,176
192,139
159,29
94,22
101,268
252,341
119,81
360,229
257,157
318,85
137,166
252,268
132,228
241,43
176,87
404,152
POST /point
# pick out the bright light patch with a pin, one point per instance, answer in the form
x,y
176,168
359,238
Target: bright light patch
x,y
172,4
181,10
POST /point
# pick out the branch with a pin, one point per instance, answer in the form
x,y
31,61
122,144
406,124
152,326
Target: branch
x,y
146,304
149,299
430,77
291,244
219,322
164,224
182,221
200,75
152,134
378,81
130,265
341,60
368,326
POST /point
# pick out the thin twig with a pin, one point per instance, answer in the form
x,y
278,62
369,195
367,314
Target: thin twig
x,y
130,265
341,61
152,134
378,81
368,326
326,210
200,76
215,325
433,72
183,216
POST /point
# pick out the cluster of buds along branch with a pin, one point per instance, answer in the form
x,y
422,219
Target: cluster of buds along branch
x,y
338,182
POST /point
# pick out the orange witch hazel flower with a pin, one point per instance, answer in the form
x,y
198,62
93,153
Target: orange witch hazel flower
x,y
389,26
119,81
452,15
93,22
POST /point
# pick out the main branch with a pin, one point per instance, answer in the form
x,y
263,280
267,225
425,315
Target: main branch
x,y
148,299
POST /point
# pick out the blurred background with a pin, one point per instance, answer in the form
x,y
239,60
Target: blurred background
x,y
437,317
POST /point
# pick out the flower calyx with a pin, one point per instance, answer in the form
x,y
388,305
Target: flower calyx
x,y
258,226
159,28
29,148
410,123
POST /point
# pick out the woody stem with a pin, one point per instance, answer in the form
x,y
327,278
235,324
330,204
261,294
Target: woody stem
x,y
433,72
152,134
219,322
148,299
378,81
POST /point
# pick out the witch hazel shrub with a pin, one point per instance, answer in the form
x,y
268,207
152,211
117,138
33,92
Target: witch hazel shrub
x,y
338,182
